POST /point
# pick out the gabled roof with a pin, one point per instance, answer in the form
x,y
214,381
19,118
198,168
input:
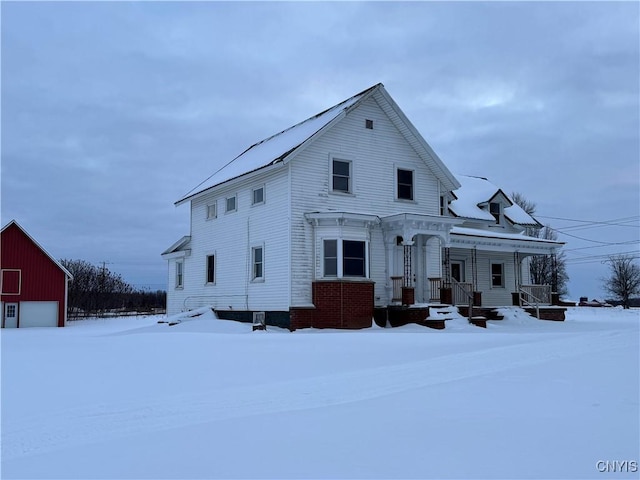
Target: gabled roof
x,y
476,191
178,246
279,148
19,227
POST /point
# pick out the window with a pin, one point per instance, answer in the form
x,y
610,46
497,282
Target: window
x,y
211,211
11,311
211,269
497,275
405,184
443,205
353,261
11,281
330,258
179,274
257,197
494,209
231,204
341,176
257,255
368,124
347,258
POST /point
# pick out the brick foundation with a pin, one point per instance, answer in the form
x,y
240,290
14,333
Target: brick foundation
x,y
301,317
555,314
408,295
338,304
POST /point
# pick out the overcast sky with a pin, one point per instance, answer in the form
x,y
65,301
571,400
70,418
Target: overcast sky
x,y
112,111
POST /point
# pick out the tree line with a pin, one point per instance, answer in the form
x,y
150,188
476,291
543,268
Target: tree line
x,y
96,290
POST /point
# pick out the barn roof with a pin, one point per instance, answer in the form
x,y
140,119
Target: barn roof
x,y
19,227
476,191
282,146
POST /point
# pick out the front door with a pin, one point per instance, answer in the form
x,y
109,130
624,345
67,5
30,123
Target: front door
x,y
457,270
10,315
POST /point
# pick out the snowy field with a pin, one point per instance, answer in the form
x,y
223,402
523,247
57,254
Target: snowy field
x,y
131,398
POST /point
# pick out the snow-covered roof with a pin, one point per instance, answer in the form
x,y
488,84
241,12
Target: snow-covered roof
x,y
476,232
275,148
177,246
281,146
476,191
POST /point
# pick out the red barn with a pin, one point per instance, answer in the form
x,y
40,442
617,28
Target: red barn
x,y
33,284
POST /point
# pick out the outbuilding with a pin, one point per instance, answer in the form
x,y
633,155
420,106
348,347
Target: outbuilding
x,y
33,284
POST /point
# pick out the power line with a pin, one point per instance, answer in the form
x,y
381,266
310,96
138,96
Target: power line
x,y
604,222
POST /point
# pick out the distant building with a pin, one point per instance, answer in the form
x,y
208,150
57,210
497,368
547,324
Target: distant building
x,y
344,212
33,283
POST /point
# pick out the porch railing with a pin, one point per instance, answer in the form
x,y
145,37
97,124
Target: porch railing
x,y
463,295
396,283
462,292
528,300
539,293
434,289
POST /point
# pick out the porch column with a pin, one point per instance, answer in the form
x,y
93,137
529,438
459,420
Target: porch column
x,y
408,292
446,293
389,242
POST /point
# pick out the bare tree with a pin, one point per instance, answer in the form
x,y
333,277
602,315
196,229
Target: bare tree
x,y
624,278
544,269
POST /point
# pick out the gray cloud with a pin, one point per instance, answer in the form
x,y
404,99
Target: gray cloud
x,y
112,111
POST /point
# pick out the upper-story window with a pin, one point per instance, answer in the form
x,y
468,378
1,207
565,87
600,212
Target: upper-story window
x,y
495,210
404,184
212,211
257,196
231,204
341,175
443,205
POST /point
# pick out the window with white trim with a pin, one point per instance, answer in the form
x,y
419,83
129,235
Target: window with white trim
x,y
179,273
345,258
404,185
212,211
495,210
330,248
497,275
257,196
231,204
211,269
341,175
257,260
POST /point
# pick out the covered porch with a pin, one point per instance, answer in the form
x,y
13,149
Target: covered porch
x,y
441,263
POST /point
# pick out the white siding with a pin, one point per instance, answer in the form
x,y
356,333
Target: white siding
x,y
230,237
495,295
374,154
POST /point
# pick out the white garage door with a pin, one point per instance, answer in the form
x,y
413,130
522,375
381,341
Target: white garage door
x,y
38,314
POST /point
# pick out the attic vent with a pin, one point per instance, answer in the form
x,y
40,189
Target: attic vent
x,y
368,124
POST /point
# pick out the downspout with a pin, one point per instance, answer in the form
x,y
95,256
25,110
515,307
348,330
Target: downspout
x,y
248,269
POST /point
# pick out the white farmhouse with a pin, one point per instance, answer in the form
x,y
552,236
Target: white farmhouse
x,y
348,212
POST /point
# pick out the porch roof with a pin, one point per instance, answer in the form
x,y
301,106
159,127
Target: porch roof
x,y
407,225
462,237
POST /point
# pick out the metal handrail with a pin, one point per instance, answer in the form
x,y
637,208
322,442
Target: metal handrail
x,y
460,288
536,301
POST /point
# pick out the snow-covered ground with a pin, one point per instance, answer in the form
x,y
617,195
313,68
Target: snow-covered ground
x,y
132,398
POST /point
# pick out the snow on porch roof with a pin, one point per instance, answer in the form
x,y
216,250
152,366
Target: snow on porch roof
x,y
275,148
478,190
